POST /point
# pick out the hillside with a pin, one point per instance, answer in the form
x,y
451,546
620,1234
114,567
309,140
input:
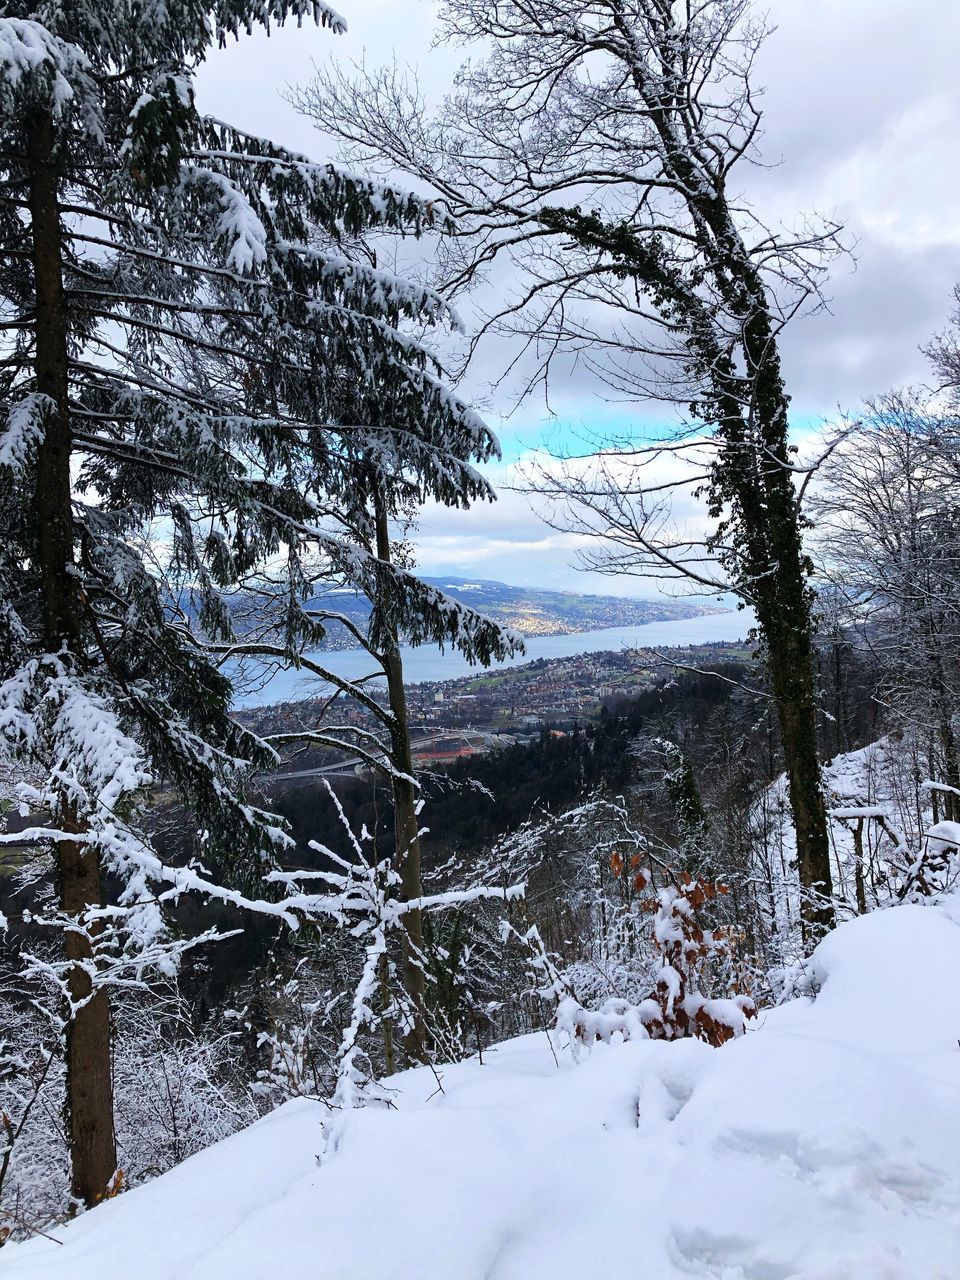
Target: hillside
x,y
530,610
824,1145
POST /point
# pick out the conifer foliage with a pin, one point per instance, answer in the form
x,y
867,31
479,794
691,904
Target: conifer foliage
x,y
191,344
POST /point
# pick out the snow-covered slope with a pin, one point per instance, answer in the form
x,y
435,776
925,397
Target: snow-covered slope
x,y
881,790
824,1145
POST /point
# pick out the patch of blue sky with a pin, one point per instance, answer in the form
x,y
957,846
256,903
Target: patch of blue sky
x,y
581,436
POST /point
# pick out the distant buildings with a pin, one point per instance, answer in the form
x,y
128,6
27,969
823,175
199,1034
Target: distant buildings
x,y
456,718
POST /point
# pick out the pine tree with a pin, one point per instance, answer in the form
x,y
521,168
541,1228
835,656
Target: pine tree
x,y
183,322
680,785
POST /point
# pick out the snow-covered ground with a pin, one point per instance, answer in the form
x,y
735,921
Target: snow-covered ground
x,y
824,1145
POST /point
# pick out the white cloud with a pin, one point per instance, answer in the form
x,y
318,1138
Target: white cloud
x,y
506,540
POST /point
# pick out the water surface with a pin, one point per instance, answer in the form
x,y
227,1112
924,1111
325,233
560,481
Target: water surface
x,y
426,663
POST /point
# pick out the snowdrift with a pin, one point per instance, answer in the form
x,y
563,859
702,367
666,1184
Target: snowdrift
x,y
823,1145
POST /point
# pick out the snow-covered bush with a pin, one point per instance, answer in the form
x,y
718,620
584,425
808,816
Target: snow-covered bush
x,y
677,1005
178,1085
34,1166
360,901
289,1022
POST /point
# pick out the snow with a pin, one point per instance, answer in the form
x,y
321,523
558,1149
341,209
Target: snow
x,y
859,811
24,429
238,224
28,49
823,1145
945,835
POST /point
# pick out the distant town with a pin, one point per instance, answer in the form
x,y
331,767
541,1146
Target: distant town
x,y
529,610
453,719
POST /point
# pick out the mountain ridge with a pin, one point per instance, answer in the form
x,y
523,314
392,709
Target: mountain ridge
x,y
535,611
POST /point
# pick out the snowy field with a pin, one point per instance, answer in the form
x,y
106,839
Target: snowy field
x,y
824,1145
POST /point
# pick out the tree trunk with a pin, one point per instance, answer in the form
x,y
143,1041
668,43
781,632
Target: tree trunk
x,y
89,1084
859,885
405,820
944,709
951,767
777,571
93,1150
791,681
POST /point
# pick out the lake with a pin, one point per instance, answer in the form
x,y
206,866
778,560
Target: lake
x,y
427,663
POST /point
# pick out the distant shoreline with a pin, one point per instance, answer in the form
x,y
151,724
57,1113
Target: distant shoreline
x,y
428,665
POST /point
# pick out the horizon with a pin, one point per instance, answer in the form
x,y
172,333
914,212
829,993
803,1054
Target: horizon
x,y
465,579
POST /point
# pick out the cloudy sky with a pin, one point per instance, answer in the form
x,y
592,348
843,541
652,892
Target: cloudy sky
x,y
862,122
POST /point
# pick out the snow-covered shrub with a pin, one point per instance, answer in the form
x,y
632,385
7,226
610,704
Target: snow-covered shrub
x,y
178,1090
34,1166
936,871
360,900
678,1004
290,1020
178,1087
687,951
470,992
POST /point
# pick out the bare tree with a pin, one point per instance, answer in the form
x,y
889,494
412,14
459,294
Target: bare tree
x,y
943,353
889,536
591,152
